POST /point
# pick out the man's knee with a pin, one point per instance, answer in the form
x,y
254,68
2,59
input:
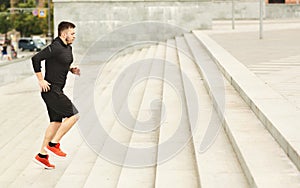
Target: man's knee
x,y
55,123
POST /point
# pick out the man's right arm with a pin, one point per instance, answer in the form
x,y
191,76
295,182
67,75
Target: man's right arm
x,y
36,63
42,55
44,85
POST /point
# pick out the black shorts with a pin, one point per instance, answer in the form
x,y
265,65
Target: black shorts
x,y
59,106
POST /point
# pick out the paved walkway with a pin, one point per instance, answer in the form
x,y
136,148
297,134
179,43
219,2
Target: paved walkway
x,y
275,59
21,55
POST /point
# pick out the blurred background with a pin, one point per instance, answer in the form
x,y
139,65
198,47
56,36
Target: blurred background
x,y
25,27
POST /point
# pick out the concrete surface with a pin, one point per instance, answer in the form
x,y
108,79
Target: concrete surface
x,y
242,154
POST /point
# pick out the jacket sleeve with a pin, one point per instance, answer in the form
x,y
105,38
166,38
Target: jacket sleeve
x,y
42,55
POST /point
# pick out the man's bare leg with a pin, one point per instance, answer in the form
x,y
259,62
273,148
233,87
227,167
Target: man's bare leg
x,y
49,135
66,125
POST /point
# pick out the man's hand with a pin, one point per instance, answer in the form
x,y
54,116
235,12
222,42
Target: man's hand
x,y
44,85
75,70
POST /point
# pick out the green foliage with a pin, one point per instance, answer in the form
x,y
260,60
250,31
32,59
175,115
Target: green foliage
x,y
5,23
4,5
28,24
27,4
23,21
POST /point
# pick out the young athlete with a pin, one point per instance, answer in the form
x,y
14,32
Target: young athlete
x,y
62,113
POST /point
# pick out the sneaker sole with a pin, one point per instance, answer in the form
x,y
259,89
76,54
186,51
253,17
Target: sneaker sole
x,y
42,165
54,154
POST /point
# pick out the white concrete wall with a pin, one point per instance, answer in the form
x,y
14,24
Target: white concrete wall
x,y
242,9
275,11
97,18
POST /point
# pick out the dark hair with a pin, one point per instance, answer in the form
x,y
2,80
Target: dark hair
x,y
63,26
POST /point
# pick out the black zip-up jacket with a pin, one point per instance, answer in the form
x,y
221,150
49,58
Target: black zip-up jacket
x,y
58,58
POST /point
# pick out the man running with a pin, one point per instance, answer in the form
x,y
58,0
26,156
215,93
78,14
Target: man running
x,y
62,113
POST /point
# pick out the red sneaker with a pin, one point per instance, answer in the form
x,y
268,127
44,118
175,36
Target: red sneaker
x,y
44,162
56,150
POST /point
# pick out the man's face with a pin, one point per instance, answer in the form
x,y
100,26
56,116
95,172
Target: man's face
x,y
69,35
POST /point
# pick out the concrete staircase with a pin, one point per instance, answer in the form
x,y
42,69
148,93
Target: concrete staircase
x,y
199,119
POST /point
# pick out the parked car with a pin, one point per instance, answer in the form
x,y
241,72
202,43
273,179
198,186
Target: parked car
x,y
31,44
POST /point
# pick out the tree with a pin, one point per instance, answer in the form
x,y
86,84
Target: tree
x,y
27,23
5,24
4,5
23,20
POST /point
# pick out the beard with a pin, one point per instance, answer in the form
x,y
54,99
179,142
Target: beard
x,y
68,40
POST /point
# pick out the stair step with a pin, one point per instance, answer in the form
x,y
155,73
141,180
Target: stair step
x,y
87,123
13,163
79,168
85,158
118,135
264,162
199,129
95,175
24,108
18,139
19,131
103,98
262,100
217,165
22,171
34,176
175,162
142,150
110,70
